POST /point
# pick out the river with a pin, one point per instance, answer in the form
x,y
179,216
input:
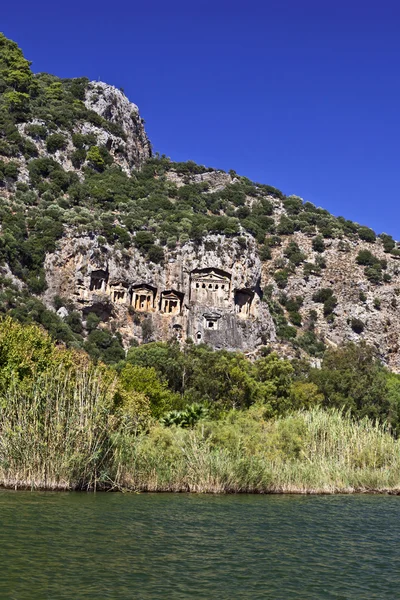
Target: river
x,y
164,546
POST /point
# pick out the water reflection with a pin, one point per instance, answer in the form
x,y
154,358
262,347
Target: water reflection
x,y
120,546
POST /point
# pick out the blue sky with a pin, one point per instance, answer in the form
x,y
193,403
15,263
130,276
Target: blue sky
x,y
300,95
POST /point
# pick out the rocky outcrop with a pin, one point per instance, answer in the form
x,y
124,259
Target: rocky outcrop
x,y
209,292
215,180
112,104
127,143
213,292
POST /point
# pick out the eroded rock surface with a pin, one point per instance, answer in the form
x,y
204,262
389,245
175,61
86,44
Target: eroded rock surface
x,y
112,104
128,145
208,295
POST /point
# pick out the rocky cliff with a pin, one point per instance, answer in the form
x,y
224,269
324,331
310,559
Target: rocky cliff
x,y
125,141
209,292
103,243
256,308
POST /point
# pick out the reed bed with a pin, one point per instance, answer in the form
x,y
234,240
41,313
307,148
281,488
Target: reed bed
x,y
62,433
54,434
308,452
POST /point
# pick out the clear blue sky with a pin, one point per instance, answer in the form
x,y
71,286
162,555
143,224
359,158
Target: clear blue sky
x,y
303,95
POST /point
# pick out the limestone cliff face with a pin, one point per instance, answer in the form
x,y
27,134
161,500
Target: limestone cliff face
x,y
128,146
209,292
112,104
375,305
213,292
217,291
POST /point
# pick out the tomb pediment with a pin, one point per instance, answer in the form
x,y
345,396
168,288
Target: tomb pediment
x,y
210,275
143,287
211,320
143,297
210,287
171,295
171,302
212,316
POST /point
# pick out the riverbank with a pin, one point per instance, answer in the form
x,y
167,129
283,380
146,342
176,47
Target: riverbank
x,y
308,452
67,423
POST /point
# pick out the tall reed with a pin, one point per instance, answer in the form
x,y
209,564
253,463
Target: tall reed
x,y
63,431
308,452
54,433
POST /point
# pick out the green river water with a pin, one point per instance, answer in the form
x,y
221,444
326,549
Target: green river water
x,y
142,546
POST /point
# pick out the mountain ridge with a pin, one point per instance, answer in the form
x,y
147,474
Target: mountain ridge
x,y
81,192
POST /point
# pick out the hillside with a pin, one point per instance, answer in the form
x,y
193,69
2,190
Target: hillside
x,y
108,246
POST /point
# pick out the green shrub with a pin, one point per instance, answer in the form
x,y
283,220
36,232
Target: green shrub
x,y
387,278
286,332
78,157
293,205
329,306
74,320
293,306
144,240
8,171
320,262
357,325
147,381
273,241
185,418
103,345
99,158
366,258
156,254
322,295
327,231
387,241
318,244
82,141
36,283
352,378
56,141
37,132
366,234
285,226
147,330
265,252
281,278
295,318
271,191
92,321
325,296
294,254
373,274
310,343
41,168
311,269
294,303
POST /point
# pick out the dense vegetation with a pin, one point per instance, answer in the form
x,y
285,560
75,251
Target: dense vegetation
x,y
196,419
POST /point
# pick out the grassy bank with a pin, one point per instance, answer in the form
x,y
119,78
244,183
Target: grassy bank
x,y
307,452
67,423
